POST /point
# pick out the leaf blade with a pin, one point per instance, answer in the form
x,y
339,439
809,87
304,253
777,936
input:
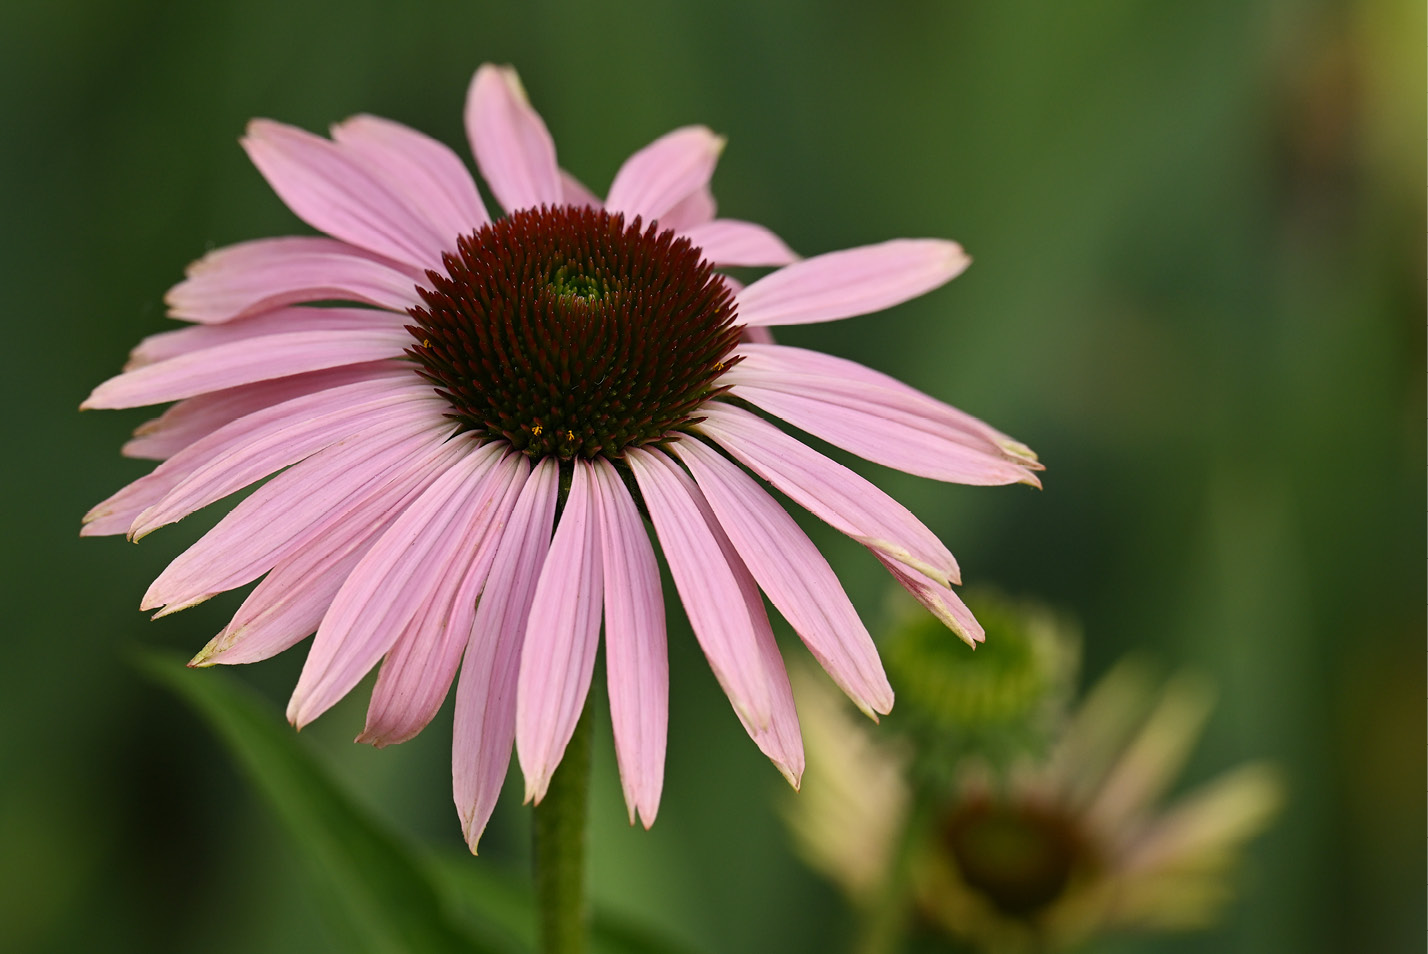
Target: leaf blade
x,y
379,896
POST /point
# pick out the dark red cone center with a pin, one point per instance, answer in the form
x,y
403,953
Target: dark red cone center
x,y
1020,857
568,332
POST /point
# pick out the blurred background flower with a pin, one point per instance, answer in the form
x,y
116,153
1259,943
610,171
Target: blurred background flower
x,y
1197,291
1037,829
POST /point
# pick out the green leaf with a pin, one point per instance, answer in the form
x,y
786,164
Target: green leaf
x,y
379,897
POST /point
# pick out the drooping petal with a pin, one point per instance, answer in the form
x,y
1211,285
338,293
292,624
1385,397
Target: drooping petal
x,y
334,193
512,146
291,600
794,574
943,603
293,510
172,344
243,362
417,672
657,177
393,585
781,360
267,440
558,656
780,739
194,418
289,603
828,490
264,274
423,172
707,584
486,692
636,660
878,424
855,281
732,242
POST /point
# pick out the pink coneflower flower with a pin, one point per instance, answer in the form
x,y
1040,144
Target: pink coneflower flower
x,y
464,453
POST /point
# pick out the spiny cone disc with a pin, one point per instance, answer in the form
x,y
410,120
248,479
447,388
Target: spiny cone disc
x,y
570,333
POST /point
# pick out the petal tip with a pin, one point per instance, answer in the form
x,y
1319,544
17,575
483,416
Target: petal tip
x,y
254,131
957,256
536,785
208,655
471,828
296,713
172,608
152,599
506,75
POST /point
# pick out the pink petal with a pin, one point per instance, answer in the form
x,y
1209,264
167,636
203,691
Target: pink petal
x,y
426,174
293,510
794,574
334,193
877,424
316,415
574,192
694,209
941,600
396,583
181,341
779,360
261,275
828,490
732,242
655,179
855,281
753,335
636,660
288,605
192,419
414,678
708,586
243,362
291,600
780,740
561,638
486,693
270,452
512,146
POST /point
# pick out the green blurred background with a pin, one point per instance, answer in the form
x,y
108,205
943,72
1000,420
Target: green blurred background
x,y
1198,293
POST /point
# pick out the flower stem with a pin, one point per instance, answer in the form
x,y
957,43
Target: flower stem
x,y
560,821
885,923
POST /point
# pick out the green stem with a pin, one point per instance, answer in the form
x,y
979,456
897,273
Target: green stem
x,y
884,925
560,849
